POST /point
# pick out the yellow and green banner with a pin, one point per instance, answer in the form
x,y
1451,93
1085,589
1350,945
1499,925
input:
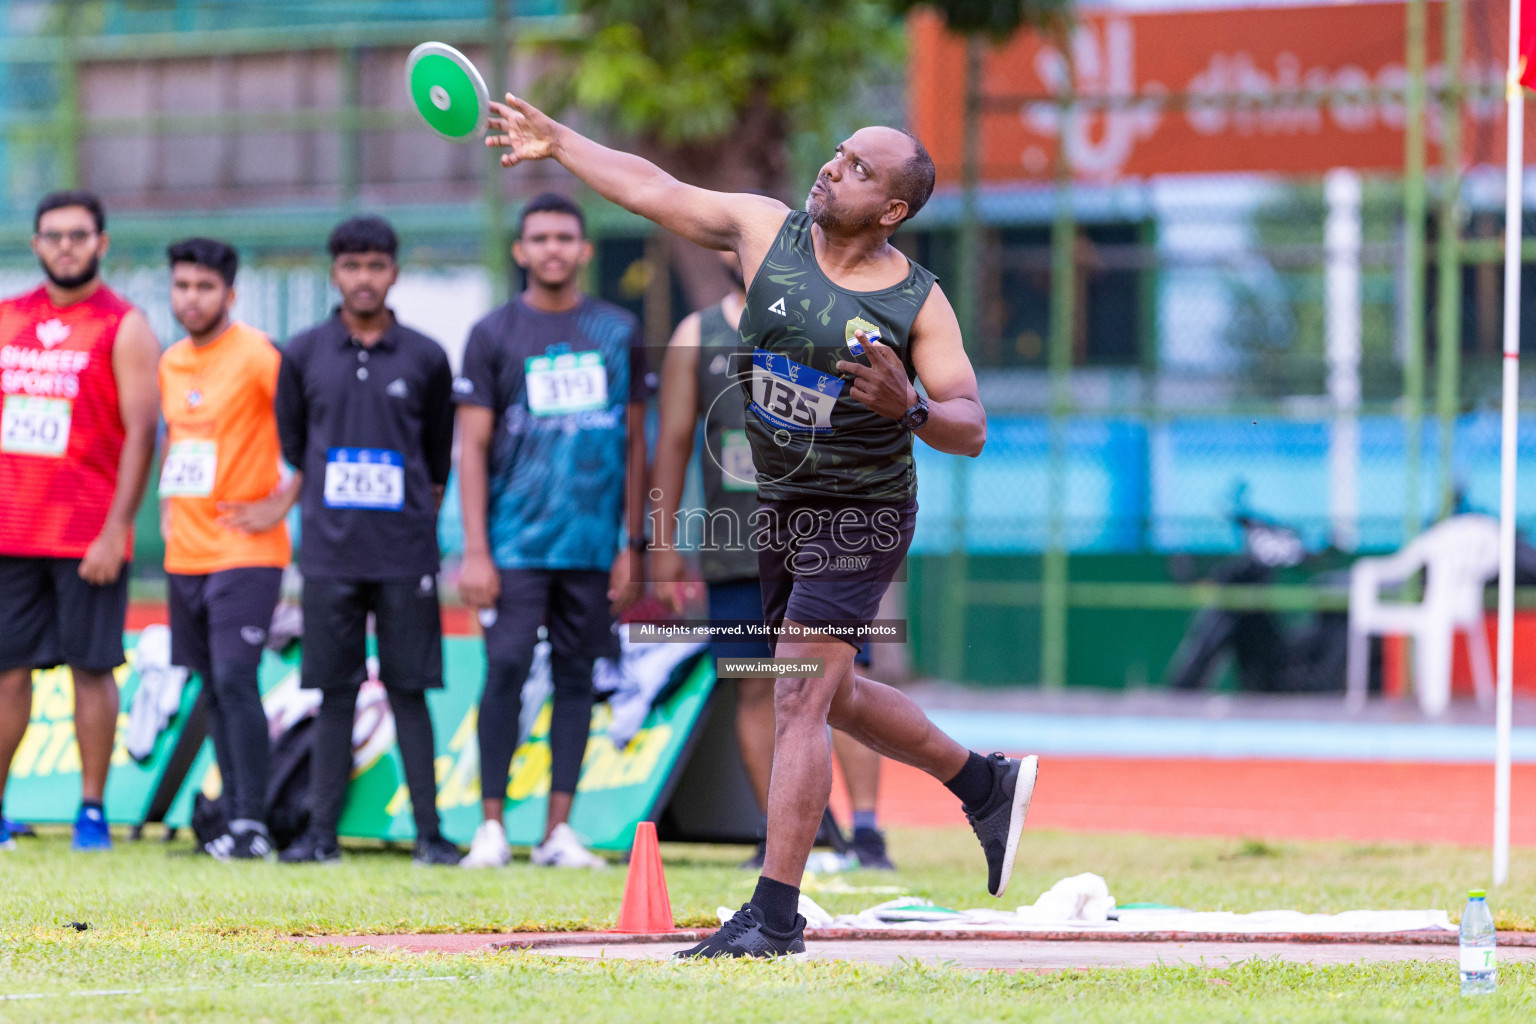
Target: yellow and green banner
x,y
44,784
618,789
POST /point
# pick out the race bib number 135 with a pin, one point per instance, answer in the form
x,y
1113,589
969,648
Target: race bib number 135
x,y
35,426
791,396
364,478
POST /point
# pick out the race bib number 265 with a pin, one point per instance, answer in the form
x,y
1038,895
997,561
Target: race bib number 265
x,y
35,426
364,478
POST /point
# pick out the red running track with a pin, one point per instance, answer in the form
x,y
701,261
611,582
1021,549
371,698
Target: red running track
x,y
1261,799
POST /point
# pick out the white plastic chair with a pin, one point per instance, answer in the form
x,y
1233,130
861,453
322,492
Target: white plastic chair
x,y
1459,556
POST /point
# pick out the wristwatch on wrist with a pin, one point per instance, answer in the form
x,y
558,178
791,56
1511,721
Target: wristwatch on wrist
x,y
916,416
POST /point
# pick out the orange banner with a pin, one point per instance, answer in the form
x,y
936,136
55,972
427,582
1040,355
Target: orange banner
x,y
1295,90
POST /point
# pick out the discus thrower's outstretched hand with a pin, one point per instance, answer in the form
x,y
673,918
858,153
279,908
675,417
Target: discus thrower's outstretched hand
x,y
525,131
741,222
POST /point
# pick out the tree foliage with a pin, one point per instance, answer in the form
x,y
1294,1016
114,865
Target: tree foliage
x,y
684,70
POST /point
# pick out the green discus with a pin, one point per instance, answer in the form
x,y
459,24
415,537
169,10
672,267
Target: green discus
x,y
448,92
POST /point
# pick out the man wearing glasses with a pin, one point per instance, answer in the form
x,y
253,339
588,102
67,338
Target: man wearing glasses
x,y
78,409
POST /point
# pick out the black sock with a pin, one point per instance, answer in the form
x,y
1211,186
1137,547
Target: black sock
x,y
87,804
779,903
973,783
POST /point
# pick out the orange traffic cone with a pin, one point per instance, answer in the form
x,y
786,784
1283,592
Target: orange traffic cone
x,y
646,908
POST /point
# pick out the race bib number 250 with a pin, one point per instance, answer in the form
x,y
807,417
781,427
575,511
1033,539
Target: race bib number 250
x,y
364,478
791,396
35,426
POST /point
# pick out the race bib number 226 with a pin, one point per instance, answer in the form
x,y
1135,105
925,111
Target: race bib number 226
x,y
189,470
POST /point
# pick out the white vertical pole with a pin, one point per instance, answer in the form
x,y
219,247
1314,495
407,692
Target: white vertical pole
x,y
1342,298
1513,210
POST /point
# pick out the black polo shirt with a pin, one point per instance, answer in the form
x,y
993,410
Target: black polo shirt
x,y
372,429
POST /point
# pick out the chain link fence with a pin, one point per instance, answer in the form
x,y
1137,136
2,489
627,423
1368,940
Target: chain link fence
x,y
1232,345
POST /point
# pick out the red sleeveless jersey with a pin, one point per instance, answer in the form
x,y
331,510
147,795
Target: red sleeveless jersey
x,y
60,429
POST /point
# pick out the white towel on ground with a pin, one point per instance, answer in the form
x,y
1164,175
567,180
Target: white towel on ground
x,y
158,696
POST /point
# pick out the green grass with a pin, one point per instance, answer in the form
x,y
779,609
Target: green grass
x,y
200,940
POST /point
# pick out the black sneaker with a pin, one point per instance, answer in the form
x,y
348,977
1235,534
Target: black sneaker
x,y
435,852
247,845
311,848
745,935
755,862
1000,820
869,846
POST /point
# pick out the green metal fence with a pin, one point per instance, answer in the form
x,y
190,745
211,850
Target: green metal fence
x,y
1154,355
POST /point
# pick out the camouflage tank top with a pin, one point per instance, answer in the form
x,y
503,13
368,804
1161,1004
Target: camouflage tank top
x,y
809,437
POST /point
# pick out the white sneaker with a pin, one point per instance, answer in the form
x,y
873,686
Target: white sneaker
x,y
489,848
564,849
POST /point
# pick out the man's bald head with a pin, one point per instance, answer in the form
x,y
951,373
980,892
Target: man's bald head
x,y
912,181
879,175
905,160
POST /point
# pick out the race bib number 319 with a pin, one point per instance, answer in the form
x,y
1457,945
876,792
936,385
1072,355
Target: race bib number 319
x,y
791,396
567,383
35,426
364,478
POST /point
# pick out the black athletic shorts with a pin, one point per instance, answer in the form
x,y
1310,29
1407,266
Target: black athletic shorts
x,y
407,622
826,565
571,603
49,616
222,616
738,601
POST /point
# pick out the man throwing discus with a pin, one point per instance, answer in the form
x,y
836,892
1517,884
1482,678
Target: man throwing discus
x,y
841,326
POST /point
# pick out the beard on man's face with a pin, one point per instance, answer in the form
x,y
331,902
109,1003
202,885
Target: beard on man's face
x,y
86,275
554,281
816,206
826,212
200,324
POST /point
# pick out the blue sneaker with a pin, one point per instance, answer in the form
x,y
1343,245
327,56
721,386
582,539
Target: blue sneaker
x,y
91,832
6,842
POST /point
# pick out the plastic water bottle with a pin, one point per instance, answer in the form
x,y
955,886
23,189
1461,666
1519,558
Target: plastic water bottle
x,y
1479,958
